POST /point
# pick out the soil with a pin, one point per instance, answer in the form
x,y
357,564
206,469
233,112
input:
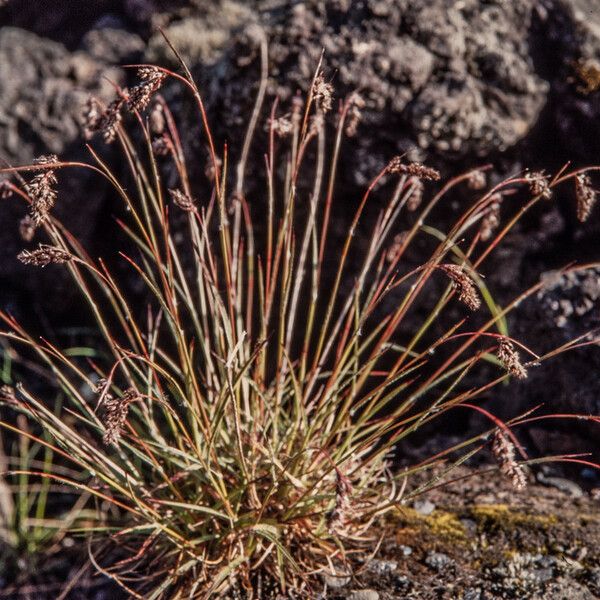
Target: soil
x,y
474,539
483,540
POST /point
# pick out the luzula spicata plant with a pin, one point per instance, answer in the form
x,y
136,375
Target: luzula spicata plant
x,y
242,422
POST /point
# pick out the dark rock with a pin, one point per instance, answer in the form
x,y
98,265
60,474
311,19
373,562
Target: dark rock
x,y
42,90
438,561
113,45
402,583
382,567
455,81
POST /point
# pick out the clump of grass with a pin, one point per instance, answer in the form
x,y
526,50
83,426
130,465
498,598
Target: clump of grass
x,y
244,422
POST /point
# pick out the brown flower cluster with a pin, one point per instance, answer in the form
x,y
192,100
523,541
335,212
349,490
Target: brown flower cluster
x,y
41,190
139,97
8,395
44,255
97,119
415,169
391,255
115,414
467,291
477,180
585,196
322,93
105,121
356,104
491,218
340,516
27,228
5,189
161,145
504,452
509,357
182,200
538,185
416,187
157,119
282,126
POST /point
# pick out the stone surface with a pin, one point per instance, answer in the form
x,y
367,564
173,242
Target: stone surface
x,y
456,83
364,595
42,89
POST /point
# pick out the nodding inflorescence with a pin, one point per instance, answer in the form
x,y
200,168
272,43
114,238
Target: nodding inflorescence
x,y
491,217
415,169
44,255
41,190
115,414
462,282
139,97
504,452
477,180
509,357
182,200
106,121
27,228
322,93
417,188
538,184
585,196
356,104
341,514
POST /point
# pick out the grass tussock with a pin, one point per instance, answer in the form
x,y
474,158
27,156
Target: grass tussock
x,y
241,421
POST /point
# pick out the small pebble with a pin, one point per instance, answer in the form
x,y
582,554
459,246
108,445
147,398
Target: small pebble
x,y
364,595
472,594
437,560
406,550
401,583
424,507
336,581
382,567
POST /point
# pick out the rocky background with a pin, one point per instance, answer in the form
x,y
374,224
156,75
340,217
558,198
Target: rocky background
x,y
456,83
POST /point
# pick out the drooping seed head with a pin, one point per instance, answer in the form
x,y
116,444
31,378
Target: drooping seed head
x,y
585,196
509,357
182,200
44,255
341,515
41,190
111,119
491,218
538,185
416,169
8,395
356,104
416,188
115,415
504,452
477,180
27,228
139,97
322,93
462,282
